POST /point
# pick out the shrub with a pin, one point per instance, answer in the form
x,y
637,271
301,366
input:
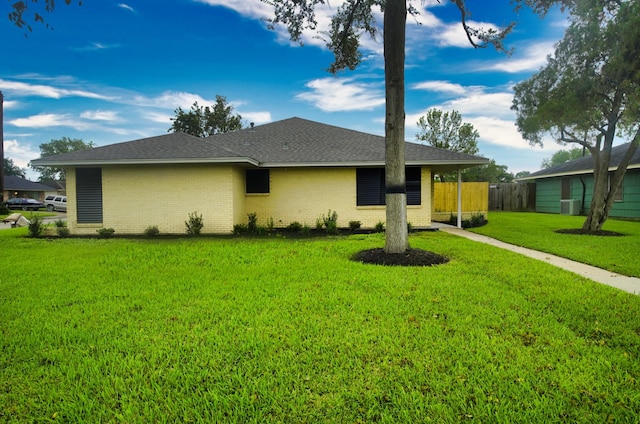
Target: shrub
x,y
194,224
354,225
4,210
36,227
270,225
151,231
295,226
379,227
59,223
239,229
409,227
252,225
105,232
477,220
62,231
330,222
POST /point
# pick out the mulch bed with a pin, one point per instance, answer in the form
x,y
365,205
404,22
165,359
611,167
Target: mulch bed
x,y
580,231
412,257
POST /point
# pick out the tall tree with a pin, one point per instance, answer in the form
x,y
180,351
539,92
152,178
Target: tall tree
x,y
203,121
352,19
11,169
562,156
55,147
589,93
491,173
446,130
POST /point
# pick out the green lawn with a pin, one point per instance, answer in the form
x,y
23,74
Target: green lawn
x,y
537,231
267,330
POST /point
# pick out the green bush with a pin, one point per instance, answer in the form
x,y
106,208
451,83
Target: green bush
x,y
62,232
239,229
194,224
252,225
295,226
355,225
59,223
476,220
105,232
151,231
330,222
36,227
379,227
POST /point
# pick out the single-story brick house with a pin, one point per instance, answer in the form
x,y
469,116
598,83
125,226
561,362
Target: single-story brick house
x,y
567,188
294,170
21,187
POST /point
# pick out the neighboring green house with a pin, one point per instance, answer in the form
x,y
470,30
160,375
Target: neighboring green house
x,y
567,188
288,171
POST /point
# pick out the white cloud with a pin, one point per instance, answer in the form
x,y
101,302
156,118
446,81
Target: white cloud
x,y
257,117
22,89
20,153
45,120
445,87
343,94
100,115
534,57
126,7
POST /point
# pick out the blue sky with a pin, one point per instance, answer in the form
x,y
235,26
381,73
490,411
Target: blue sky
x,y
112,71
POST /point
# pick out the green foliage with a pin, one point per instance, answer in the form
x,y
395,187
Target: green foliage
x,y
194,224
277,330
208,120
562,156
106,232
11,169
33,9
252,222
239,229
476,220
330,222
55,147
295,226
62,232
36,226
355,225
4,210
152,231
447,131
379,227
60,223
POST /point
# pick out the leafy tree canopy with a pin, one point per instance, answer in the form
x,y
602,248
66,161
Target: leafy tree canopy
x,y
11,169
23,12
203,121
562,156
55,147
447,131
589,93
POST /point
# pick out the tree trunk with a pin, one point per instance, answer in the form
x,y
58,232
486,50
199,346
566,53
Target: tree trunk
x,y
395,16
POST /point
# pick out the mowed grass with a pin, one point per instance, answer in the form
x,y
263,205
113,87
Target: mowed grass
x,y
278,330
537,231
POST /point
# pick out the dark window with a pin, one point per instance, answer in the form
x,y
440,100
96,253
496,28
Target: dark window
x,y
257,181
566,189
370,186
89,195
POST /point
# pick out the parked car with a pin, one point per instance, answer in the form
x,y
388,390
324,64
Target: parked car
x,y
56,203
24,203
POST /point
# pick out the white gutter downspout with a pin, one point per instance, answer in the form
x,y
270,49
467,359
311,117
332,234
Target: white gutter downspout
x,y
459,198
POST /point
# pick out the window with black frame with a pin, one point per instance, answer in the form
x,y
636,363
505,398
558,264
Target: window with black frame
x,y
257,181
370,186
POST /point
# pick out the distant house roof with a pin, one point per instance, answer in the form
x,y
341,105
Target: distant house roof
x,y
584,165
292,142
12,183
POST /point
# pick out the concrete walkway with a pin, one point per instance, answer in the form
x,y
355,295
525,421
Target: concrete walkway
x,y
622,282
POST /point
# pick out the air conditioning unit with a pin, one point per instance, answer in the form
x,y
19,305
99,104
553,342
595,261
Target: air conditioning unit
x,y
570,207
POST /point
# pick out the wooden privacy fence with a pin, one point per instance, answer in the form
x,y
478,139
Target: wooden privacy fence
x,y
512,197
475,200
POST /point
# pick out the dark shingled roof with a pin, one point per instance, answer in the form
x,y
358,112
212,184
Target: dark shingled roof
x,y
293,142
584,165
20,184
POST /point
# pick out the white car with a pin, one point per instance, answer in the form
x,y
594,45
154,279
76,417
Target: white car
x,y
56,203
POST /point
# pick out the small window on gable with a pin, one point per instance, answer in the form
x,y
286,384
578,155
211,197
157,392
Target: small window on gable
x,y
257,181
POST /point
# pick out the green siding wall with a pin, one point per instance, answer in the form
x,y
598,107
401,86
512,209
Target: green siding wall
x,y
548,194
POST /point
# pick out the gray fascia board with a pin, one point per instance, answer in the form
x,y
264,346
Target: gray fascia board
x,y
571,173
466,164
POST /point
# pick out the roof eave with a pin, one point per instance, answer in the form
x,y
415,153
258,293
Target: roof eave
x,y
172,161
570,173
